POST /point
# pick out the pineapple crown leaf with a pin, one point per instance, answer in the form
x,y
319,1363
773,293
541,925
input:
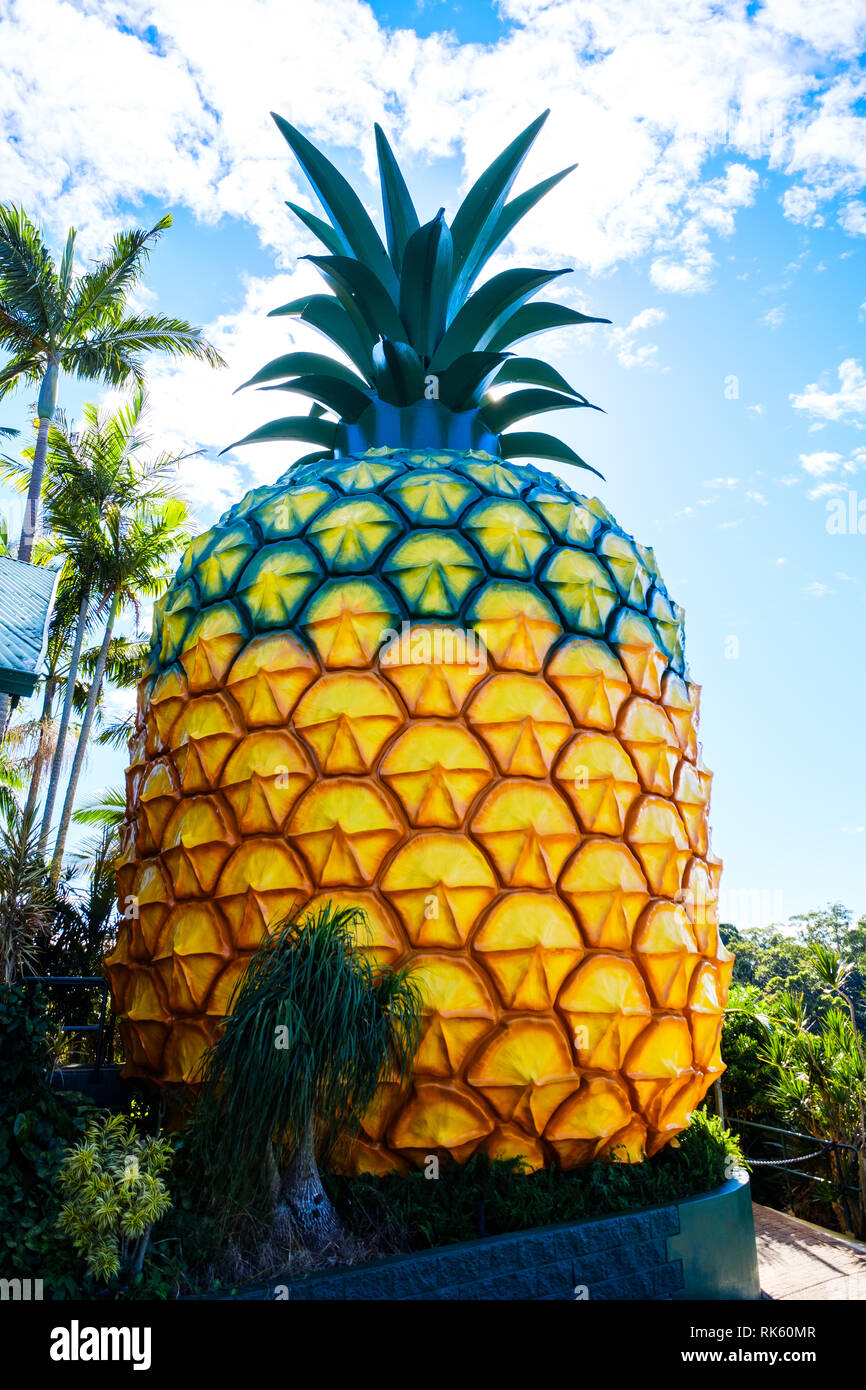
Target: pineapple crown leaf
x,y
407,314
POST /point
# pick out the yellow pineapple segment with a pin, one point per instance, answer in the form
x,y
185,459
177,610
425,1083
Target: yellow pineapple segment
x,y
201,738
346,621
262,882
263,779
434,668
157,795
592,681
605,886
528,943
210,646
523,723
439,885
668,953
344,829
437,1118
517,625
268,677
458,1013
527,830
660,840
599,1110
198,839
606,1005
706,1013
347,720
525,1070
600,781
639,652
436,770
649,737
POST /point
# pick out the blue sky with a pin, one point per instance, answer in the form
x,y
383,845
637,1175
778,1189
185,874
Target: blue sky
x,y
716,217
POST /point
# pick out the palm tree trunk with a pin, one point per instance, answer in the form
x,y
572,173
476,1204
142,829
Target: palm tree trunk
x,y
66,716
81,746
46,408
40,757
308,1204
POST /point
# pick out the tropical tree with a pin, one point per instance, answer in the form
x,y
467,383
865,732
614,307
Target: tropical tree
x,y
313,1029
53,321
137,542
28,899
90,473
816,1073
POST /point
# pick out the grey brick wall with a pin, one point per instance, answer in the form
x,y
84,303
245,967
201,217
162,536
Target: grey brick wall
x,y
619,1257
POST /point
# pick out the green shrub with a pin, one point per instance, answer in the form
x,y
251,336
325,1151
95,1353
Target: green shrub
x,y
37,1125
496,1196
115,1193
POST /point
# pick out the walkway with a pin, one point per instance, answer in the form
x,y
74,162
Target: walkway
x,y
800,1261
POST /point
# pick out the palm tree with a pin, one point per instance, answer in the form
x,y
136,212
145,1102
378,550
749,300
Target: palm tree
x,y
313,1029
136,538
54,321
92,475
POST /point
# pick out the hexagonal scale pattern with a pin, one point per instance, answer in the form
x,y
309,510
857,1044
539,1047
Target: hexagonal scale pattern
x,y
451,692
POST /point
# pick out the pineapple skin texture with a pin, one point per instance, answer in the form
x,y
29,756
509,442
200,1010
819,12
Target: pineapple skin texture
x,y
450,691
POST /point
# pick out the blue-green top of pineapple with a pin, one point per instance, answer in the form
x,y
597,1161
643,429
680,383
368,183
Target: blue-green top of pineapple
x,y
431,355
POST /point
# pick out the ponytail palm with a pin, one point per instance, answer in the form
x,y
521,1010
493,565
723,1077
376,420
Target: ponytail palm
x,y
53,321
313,1030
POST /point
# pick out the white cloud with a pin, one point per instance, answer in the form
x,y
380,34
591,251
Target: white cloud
x,y
720,482
819,464
757,497
754,410
631,353
774,318
825,490
848,403
817,590
106,102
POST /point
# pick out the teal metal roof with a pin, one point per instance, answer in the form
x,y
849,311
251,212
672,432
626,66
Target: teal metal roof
x,y
26,601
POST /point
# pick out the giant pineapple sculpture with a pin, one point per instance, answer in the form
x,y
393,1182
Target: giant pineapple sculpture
x,y
421,676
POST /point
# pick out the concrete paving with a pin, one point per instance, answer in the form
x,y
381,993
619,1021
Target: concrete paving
x,y
798,1260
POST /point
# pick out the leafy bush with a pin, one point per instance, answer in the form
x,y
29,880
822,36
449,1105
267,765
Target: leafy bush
x,y
36,1127
496,1196
115,1194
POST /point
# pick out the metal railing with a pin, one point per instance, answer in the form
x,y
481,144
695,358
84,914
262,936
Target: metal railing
x,y
100,1029
831,1150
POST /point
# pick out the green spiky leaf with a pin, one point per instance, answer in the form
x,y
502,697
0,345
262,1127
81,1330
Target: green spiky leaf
x,y
528,319
529,445
512,213
399,372
357,287
519,405
345,330
461,384
401,219
425,284
308,428
478,323
480,209
303,364
343,207
532,371
346,400
332,239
